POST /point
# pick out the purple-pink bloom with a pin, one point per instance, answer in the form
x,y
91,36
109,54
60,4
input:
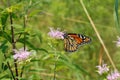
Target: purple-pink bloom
x,y
21,54
118,42
57,34
113,75
102,69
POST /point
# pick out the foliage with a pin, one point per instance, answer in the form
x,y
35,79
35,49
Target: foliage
x,y
31,20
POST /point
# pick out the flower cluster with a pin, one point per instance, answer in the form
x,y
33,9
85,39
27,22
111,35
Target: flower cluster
x,y
21,54
113,75
118,42
102,69
57,34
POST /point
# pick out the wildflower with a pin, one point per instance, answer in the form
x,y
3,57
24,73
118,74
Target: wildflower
x,y
21,54
57,34
118,42
113,75
102,69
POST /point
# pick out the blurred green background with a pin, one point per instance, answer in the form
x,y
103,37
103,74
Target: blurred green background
x,y
69,16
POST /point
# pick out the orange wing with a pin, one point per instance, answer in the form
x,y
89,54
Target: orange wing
x,y
72,41
70,45
76,38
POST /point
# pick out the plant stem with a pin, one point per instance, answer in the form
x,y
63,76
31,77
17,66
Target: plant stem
x,y
24,19
13,41
98,35
54,74
18,37
55,64
22,71
54,78
24,32
9,67
13,45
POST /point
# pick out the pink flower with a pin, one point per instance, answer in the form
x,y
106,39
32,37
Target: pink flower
x,y
118,41
57,34
113,75
21,54
102,69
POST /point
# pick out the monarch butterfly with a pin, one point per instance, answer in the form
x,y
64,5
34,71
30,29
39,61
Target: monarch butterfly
x,y
72,41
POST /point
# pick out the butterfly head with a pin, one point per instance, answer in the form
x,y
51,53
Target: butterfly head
x,y
87,40
84,38
65,35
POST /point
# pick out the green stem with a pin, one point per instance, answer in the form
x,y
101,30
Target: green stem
x,y
9,67
24,44
54,78
13,45
13,41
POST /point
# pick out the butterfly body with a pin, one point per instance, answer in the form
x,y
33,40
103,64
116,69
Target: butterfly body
x,y
72,41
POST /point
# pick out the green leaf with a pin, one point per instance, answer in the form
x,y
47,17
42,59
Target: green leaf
x,y
4,67
5,35
78,67
34,12
41,49
116,10
31,45
4,17
3,46
116,15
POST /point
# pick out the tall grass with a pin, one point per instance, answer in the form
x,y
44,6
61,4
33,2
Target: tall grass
x,y
26,23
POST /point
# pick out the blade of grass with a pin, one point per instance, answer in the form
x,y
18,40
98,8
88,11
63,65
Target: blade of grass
x,y
97,33
116,16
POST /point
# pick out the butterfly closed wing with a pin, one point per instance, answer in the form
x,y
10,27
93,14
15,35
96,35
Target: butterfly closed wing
x,y
72,41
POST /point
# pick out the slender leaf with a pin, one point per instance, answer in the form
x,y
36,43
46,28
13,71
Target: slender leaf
x,y
116,15
4,17
32,46
5,35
